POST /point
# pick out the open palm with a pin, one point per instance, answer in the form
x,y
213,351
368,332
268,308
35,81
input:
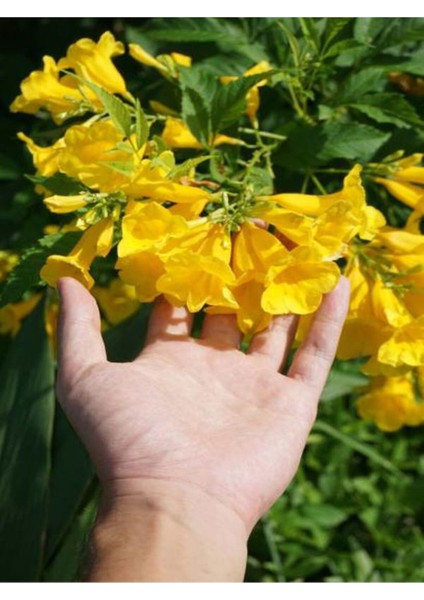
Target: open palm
x,y
197,411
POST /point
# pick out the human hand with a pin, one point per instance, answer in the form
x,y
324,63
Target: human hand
x,y
196,417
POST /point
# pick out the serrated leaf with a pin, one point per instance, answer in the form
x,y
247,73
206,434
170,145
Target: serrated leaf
x,y
366,29
185,167
230,100
309,30
342,46
196,115
389,108
59,183
368,80
141,126
116,109
198,91
189,35
27,409
333,27
25,276
352,141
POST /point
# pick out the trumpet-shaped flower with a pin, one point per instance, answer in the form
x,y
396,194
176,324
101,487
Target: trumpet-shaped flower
x,y
391,402
65,204
8,260
95,241
405,181
93,61
12,315
92,156
117,301
195,280
45,158
176,134
297,283
166,64
67,96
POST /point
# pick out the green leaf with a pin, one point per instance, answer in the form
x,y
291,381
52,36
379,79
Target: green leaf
x,y
58,184
389,108
340,47
367,28
141,125
198,90
117,110
352,141
71,476
323,515
309,30
26,275
333,27
185,167
27,410
368,80
230,100
341,383
68,562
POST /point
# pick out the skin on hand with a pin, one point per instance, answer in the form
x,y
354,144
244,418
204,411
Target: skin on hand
x,y
193,423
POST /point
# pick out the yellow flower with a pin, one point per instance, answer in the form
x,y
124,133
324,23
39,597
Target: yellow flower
x,y
166,64
92,61
296,283
254,252
12,315
391,403
91,155
152,235
66,96
148,225
96,241
195,280
60,96
150,181
405,347
117,301
65,204
177,135
8,260
45,158
338,217
405,181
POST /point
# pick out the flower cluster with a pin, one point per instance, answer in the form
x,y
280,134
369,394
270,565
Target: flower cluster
x,y
223,244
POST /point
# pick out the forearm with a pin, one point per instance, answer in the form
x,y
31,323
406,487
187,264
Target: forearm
x,y
153,531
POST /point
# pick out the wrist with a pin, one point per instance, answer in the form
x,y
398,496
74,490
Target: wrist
x,y
154,530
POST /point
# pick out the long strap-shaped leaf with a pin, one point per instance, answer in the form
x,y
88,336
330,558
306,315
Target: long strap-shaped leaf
x,y
26,425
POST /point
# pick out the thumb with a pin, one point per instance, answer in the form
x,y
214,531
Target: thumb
x,y
80,343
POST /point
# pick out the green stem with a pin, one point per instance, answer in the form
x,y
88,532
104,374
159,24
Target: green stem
x,y
318,184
